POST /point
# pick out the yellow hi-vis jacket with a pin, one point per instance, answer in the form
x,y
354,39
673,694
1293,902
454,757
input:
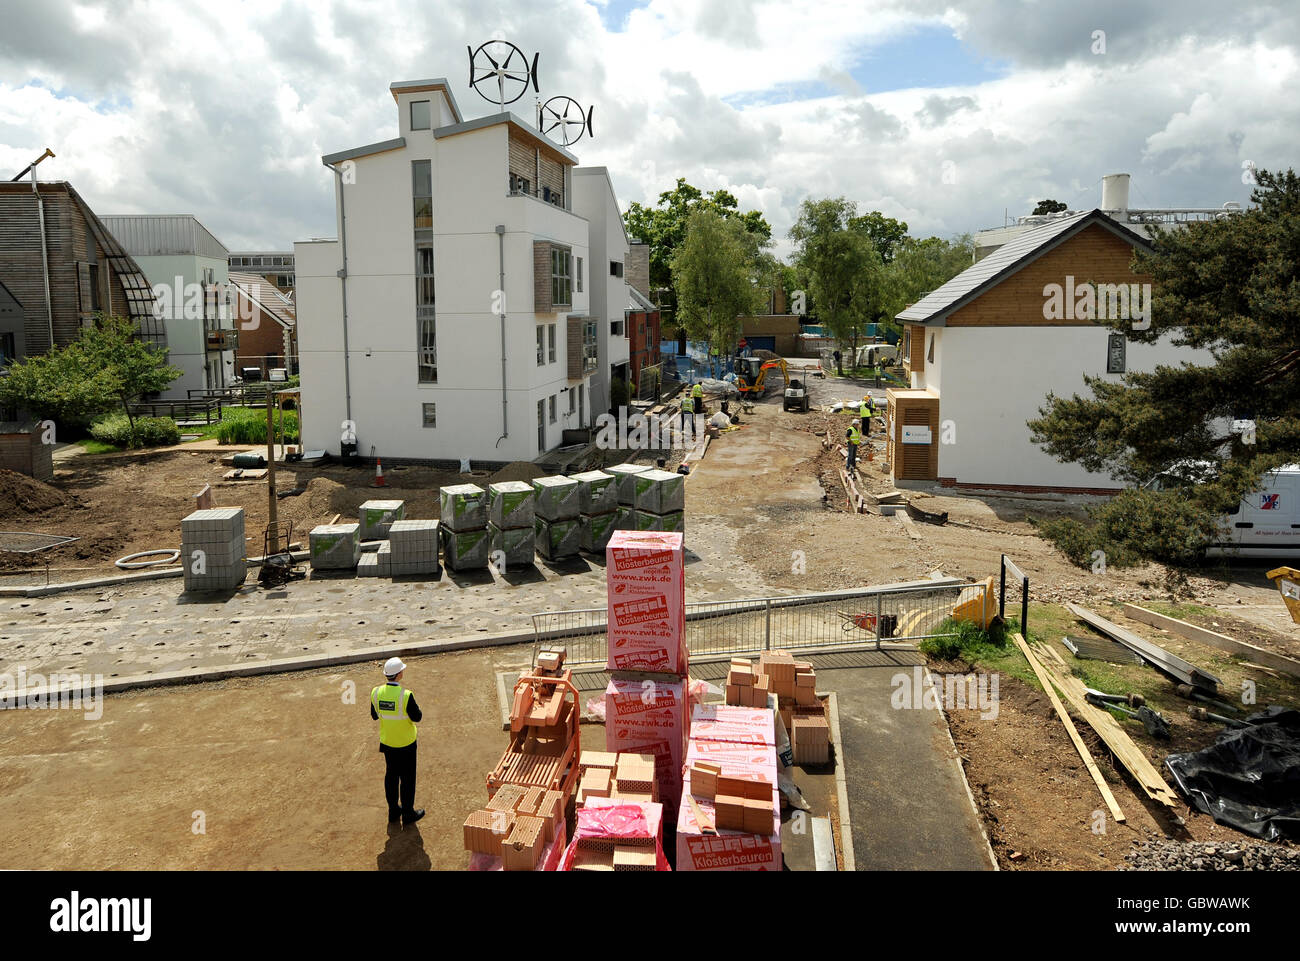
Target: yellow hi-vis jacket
x,y
697,392
396,729
688,405
864,409
855,436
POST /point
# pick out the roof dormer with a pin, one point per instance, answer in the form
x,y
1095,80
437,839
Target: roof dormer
x,y
424,105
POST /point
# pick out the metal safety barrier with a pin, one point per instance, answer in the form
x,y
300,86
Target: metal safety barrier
x,y
838,621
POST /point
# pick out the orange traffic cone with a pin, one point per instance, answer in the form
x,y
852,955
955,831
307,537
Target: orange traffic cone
x,y
379,472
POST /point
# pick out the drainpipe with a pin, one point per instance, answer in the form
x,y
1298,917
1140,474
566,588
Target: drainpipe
x,y
501,255
343,279
45,257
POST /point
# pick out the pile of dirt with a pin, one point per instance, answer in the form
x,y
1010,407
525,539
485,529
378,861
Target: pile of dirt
x,y
520,470
1161,854
22,496
323,498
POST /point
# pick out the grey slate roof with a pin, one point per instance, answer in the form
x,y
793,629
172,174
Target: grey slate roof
x,y
1005,261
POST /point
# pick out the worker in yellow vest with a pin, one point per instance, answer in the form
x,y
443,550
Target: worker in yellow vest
x,y
394,707
854,438
697,395
866,410
688,412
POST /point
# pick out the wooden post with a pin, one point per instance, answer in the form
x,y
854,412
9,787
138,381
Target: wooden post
x,y
273,519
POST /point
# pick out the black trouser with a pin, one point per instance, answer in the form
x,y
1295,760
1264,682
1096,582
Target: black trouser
x,y
399,778
852,462
866,425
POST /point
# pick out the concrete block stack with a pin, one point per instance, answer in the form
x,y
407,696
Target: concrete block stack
x,y
793,682
376,517
510,522
745,688
731,773
659,501
335,547
521,826
602,843
213,549
556,528
625,492
646,702
597,509
412,548
463,526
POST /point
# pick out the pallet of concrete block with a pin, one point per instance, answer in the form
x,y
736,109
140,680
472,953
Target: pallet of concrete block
x,y
335,547
674,523
412,548
463,507
511,505
213,549
597,492
810,739
376,517
595,530
625,481
737,827
557,539
745,687
466,550
512,546
620,775
557,498
659,492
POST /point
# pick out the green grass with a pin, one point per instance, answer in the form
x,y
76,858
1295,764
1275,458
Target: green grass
x,y
247,425
1180,611
92,446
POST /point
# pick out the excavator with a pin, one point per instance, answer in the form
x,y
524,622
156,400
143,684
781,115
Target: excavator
x,y
752,374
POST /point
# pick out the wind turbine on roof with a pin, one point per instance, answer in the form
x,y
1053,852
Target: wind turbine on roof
x,y
500,73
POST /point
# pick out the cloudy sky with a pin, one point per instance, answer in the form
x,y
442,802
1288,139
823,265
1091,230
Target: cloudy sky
x,y
943,114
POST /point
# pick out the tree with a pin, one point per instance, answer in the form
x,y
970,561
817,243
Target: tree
x,y
919,267
716,270
842,266
1048,207
663,226
106,366
885,233
1228,285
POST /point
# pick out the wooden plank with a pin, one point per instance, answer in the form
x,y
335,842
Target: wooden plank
x,y
1155,655
1070,729
1108,729
824,845
1222,642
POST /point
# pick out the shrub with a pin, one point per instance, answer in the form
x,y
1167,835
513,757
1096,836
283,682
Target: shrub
x,y
115,429
618,393
965,638
1133,527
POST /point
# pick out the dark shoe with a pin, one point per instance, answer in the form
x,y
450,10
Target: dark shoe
x,y
394,817
415,816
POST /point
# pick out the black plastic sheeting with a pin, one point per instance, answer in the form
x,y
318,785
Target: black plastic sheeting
x,y
1249,778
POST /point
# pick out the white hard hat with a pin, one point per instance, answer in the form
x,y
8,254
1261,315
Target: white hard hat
x,y
393,666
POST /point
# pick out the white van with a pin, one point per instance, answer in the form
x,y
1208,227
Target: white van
x,y
1265,524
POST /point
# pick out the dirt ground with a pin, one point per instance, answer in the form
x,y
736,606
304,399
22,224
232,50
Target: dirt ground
x,y
118,504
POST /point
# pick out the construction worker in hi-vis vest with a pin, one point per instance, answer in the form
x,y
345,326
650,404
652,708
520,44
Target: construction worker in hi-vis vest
x,y
394,707
854,437
688,411
697,395
865,410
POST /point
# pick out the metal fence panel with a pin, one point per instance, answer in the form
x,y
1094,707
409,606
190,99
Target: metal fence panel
x,y
716,630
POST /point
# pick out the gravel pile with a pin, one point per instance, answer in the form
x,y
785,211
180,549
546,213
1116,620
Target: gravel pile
x,y
1165,855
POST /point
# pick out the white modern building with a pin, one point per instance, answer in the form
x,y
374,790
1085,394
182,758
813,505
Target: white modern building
x,y
984,351
187,268
457,315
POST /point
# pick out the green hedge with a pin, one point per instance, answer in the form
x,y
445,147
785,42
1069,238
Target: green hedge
x,y
115,429
247,425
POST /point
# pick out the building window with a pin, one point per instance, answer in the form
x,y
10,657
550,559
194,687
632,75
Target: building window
x,y
8,349
1115,349
930,355
573,401
422,192
561,280
616,328
541,347
589,347
519,185
551,408
420,115
425,313
578,276
430,414
550,343
615,269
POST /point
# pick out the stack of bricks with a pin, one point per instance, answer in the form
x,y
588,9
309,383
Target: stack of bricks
x,y
811,739
463,526
412,548
597,509
593,850
744,687
510,523
625,492
516,825
212,549
646,703
556,528
733,823
335,547
659,501
793,682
